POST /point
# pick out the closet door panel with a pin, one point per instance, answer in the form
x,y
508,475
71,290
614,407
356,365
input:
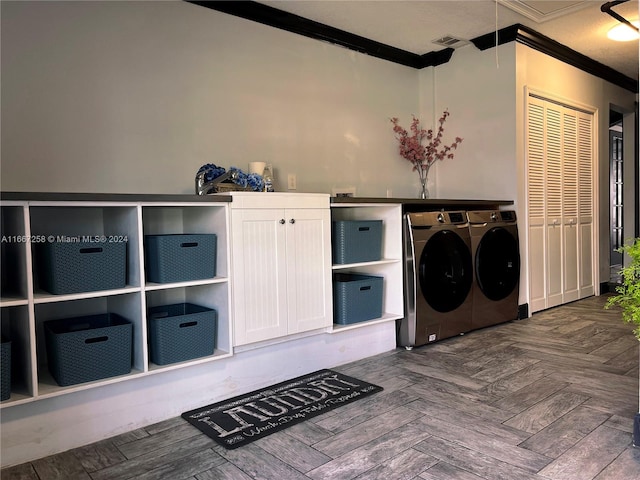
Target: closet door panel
x,y
554,265
587,283
585,205
537,267
554,183
536,187
570,263
570,205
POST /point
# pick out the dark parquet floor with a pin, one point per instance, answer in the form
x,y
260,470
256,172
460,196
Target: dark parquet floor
x,y
550,397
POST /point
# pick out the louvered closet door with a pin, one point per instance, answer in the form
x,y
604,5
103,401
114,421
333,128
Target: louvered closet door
x,y
554,253
569,206
536,191
560,203
586,200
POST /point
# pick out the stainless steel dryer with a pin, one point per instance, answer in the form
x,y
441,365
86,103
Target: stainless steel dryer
x,y
496,264
438,277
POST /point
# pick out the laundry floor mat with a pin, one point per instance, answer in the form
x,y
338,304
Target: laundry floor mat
x,y
240,420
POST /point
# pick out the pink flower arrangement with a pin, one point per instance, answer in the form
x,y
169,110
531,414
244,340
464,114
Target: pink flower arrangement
x,y
423,156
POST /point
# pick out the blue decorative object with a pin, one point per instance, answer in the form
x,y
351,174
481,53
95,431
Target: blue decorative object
x,y
255,181
238,176
211,171
251,180
209,176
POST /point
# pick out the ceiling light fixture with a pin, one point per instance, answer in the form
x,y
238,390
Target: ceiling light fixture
x,y
624,32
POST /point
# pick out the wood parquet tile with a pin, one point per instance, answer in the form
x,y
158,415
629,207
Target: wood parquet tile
x,y
551,397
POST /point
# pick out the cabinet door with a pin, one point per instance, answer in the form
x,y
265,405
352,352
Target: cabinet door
x,y
259,274
309,269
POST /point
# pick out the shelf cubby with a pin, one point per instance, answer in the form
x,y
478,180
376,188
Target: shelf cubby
x,y
16,327
389,266
99,223
128,306
214,296
14,241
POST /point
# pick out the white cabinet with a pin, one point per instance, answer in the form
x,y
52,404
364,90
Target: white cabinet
x,y
389,266
25,306
281,257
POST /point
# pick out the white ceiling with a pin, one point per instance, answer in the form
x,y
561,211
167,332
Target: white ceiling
x,y
413,25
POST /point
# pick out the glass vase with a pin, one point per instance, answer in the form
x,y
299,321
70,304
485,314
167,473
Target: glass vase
x,y
424,191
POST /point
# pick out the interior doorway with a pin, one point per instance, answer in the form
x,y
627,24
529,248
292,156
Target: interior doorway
x,y
616,198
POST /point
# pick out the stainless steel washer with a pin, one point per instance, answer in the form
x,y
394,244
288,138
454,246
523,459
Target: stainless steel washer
x,y
496,264
438,277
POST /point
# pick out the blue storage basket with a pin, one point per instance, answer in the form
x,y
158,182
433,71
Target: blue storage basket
x,y
181,332
355,241
356,298
180,257
5,369
83,349
72,267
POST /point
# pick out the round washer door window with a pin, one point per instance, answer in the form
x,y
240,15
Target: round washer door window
x,y
445,271
497,263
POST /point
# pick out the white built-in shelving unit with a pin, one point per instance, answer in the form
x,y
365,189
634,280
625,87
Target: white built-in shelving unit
x,y
25,306
389,266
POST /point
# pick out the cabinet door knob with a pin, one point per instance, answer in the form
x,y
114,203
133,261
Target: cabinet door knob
x,y
282,221
292,220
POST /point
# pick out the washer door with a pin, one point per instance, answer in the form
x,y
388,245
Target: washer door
x,y
445,271
497,263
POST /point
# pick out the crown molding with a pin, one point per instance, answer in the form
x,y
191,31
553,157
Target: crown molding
x,y
531,38
433,59
274,17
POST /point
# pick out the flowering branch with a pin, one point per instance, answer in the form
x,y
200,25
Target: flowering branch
x,y
423,156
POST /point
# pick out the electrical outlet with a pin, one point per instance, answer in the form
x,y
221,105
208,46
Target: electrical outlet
x,y
432,337
343,191
292,182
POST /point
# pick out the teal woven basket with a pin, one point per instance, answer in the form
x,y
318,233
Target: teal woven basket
x,y
84,349
356,298
73,267
5,369
181,332
354,241
180,257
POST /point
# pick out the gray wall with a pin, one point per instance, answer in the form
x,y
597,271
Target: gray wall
x,y
135,96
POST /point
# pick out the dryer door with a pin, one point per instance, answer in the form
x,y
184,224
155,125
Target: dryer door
x,y
445,271
497,263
